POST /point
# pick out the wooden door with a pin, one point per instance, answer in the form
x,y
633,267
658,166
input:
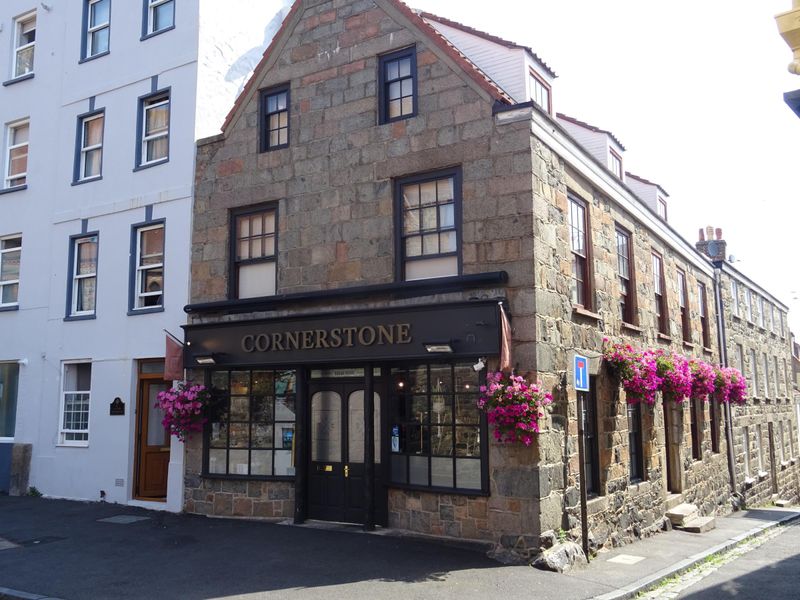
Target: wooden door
x,y
153,442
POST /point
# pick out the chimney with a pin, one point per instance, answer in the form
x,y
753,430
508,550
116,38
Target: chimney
x,y
711,244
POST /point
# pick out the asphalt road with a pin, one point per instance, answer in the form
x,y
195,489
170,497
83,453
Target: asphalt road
x,y
771,571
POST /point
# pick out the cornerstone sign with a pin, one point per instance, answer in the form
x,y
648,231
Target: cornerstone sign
x,y
470,329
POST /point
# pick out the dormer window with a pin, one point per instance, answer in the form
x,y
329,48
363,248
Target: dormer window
x,y
662,208
615,163
540,92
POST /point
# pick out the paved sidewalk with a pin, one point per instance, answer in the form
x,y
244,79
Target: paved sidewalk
x,y
63,549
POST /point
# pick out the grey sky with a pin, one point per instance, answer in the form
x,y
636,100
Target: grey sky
x,y
694,91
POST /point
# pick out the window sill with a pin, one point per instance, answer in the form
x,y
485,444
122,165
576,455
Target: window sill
x,y
577,309
274,148
749,481
631,327
707,350
16,188
18,79
663,337
87,180
155,163
689,345
80,317
762,475
222,476
785,464
793,460
73,445
9,308
437,490
94,56
639,487
155,33
145,311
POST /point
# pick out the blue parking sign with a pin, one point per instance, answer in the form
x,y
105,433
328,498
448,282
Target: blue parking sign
x,y
581,373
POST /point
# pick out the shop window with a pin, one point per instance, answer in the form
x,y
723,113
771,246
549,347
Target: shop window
x,y
591,441
581,285
627,289
254,270
9,381
429,218
398,85
75,398
635,448
251,424
437,432
275,118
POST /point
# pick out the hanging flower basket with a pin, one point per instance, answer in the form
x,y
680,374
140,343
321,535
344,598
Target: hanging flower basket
x,y
183,408
514,406
636,369
730,385
703,380
675,374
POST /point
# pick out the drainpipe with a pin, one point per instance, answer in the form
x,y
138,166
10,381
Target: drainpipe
x,y
723,355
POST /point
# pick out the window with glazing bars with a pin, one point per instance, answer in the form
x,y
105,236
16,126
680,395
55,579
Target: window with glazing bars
x,y
160,15
24,44
98,27
705,331
149,267
625,272
635,449
580,289
17,154
275,121
75,398
10,255
683,299
90,159
591,449
254,270
155,128
659,288
398,85
696,423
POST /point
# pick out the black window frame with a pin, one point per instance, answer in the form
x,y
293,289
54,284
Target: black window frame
x,y
234,263
395,397
714,412
696,413
627,284
222,402
636,466
399,220
383,84
591,439
584,288
264,115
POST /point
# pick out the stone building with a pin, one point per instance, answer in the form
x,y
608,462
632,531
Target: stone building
x,y
757,341
375,204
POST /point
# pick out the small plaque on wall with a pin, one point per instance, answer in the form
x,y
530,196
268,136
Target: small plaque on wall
x,y
116,408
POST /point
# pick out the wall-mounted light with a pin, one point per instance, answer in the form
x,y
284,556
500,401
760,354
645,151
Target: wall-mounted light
x,y
205,359
439,348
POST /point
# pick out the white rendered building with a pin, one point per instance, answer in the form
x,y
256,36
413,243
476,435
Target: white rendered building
x,y
100,108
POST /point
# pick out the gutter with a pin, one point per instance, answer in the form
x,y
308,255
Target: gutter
x,y
723,355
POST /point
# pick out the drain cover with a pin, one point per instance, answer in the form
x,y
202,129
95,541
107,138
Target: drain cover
x,y
123,519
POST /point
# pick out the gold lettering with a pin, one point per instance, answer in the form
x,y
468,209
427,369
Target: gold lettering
x,y
292,340
277,341
262,342
349,331
308,340
385,335
365,340
336,338
247,343
322,339
403,333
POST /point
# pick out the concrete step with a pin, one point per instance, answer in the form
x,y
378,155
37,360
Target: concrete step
x,y
699,525
682,514
672,501
782,503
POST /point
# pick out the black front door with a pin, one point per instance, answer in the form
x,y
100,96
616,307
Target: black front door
x,y
337,488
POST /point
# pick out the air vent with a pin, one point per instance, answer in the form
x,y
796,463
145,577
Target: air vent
x,y
119,482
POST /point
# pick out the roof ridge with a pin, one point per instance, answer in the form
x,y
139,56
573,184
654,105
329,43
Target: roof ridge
x,y
485,35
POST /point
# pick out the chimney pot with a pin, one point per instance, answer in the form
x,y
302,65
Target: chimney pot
x,y
702,235
719,233
709,232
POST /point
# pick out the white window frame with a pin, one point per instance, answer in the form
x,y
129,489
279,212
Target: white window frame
x,y
737,307
76,276
62,431
151,12
10,281
776,383
754,367
11,127
90,52
615,164
18,48
86,149
140,295
760,448
762,317
151,104
748,301
541,93
766,375
746,444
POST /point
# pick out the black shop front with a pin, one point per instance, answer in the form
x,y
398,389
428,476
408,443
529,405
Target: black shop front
x,y
349,405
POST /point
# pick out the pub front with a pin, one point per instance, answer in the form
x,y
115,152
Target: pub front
x,y
343,416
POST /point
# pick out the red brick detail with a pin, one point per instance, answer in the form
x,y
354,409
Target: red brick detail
x,y
426,57
230,167
398,129
304,52
352,67
319,76
305,105
352,37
